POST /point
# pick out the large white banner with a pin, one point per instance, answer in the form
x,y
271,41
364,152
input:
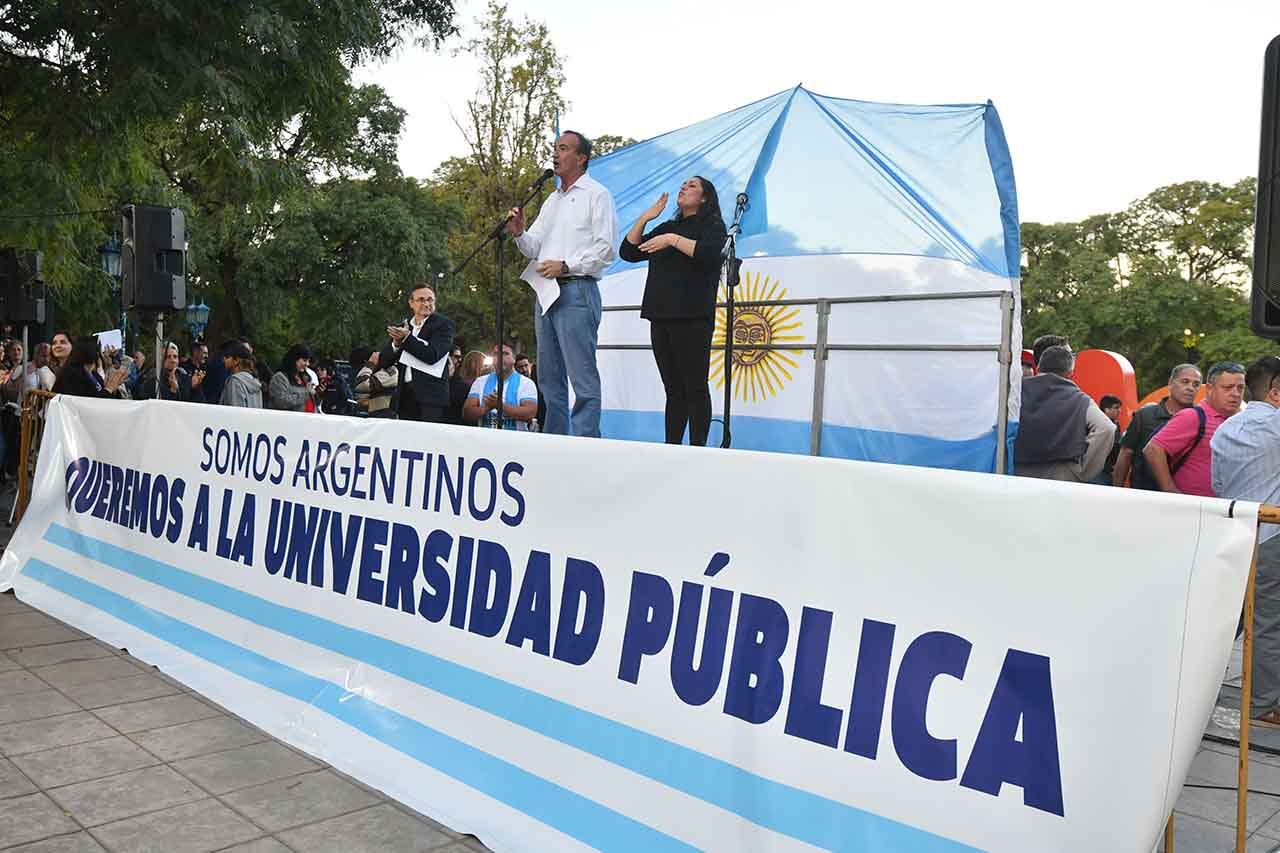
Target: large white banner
x,y
565,644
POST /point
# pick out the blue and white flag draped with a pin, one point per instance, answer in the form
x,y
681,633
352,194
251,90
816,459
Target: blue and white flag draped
x,y
847,199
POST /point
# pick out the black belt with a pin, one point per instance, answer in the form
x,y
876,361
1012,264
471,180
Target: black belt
x,y
565,279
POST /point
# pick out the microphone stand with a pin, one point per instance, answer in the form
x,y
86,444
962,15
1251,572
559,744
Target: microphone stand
x,y
498,237
732,269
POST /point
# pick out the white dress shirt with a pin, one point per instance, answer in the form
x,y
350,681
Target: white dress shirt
x,y
578,226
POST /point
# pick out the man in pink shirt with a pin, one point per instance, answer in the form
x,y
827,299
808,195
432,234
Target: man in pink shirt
x,y
1179,455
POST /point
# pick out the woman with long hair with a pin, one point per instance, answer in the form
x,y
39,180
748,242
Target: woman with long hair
x,y
80,376
59,351
469,368
680,299
291,388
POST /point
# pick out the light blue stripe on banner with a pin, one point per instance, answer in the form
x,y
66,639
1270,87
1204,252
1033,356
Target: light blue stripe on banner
x,y
571,813
841,442
776,806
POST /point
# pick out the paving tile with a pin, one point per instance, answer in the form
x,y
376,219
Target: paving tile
x,y
77,842
31,706
36,735
30,618
187,740
99,694
192,828
301,799
12,782
1220,807
373,830
69,764
1222,769
1256,843
7,663
240,768
61,653
17,681
32,818
19,638
72,673
429,821
9,603
1270,829
156,713
262,845
125,795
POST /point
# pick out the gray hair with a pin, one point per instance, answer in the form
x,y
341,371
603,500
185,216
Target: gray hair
x,y
1173,374
1057,360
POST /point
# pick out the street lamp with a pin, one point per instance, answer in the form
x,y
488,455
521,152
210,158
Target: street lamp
x,y
109,253
197,319
1190,340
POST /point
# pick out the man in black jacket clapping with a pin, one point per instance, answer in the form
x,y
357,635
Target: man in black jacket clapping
x,y
420,348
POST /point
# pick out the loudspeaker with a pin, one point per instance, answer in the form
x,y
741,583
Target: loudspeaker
x,y
1266,241
153,257
21,287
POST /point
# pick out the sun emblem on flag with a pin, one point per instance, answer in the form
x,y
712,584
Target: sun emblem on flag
x,y
757,373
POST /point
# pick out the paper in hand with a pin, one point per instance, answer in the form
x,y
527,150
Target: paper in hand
x,y
110,339
547,289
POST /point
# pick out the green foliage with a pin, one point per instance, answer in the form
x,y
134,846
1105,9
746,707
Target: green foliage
x,y
509,125
232,110
337,267
1133,282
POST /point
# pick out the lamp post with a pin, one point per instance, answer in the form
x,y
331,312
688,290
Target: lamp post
x,y
110,256
1190,342
197,320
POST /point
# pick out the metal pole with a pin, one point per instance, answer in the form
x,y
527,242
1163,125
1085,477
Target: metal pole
x,y
1246,714
819,378
1006,363
1168,835
159,350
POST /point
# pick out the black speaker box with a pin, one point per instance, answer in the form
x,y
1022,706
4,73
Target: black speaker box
x,y
21,287
1266,246
153,258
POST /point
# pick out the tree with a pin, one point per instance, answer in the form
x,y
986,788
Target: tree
x,y
1132,282
607,143
224,106
508,126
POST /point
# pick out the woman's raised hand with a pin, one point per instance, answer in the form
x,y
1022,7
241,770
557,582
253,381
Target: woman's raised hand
x,y
655,210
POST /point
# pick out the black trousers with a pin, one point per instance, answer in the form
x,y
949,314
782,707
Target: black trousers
x,y
412,410
682,349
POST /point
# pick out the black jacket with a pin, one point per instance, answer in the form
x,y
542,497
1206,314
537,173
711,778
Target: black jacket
x,y
433,342
679,287
73,380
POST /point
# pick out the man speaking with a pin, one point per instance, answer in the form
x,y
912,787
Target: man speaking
x,y
420,348
572,240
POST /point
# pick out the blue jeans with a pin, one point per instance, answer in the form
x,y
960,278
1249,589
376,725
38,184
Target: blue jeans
x,y
567,353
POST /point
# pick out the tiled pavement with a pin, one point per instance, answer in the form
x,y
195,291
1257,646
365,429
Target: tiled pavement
x,y
100,751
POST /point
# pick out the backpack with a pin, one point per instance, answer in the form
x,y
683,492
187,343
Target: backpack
x,y
1141,476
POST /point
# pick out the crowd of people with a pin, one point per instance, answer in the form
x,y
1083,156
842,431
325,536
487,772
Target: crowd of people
x,y
1220,447
363,386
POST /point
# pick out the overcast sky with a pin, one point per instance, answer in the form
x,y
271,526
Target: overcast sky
x,y
1101,101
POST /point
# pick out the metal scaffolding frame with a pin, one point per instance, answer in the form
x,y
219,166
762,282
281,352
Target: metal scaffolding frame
x,y
821,347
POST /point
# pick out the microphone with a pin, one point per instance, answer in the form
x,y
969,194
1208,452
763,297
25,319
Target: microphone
x,y
543,178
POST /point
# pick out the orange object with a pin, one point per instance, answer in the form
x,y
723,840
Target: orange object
x,y
1100,372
